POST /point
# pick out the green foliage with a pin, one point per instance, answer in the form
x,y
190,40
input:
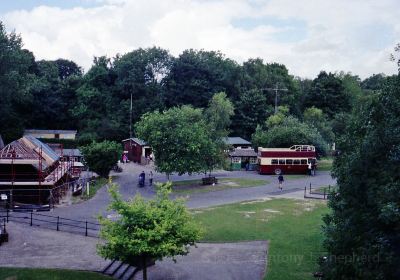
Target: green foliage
x,y
196,75
147,229
328,94
16,71
102,156
250,110
278,118
289,132
179,138
365,223
316,118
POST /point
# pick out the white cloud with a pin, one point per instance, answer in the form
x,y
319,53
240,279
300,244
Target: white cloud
x,y
339,35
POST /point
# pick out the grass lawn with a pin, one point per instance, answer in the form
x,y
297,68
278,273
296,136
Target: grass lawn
x,y
195,186
325,164
293,228
98,183
327,189
48,274
294,177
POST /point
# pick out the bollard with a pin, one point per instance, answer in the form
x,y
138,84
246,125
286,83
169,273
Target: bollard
x,y
305,192
310,188
31,219
58,221
324,193
86,233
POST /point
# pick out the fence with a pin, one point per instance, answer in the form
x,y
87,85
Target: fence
x,y
318,193
52,222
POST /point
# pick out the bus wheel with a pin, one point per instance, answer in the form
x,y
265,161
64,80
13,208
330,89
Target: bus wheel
x,y
278,171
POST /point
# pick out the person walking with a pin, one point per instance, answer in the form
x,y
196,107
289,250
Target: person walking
x,y
309,168
280,182
151,178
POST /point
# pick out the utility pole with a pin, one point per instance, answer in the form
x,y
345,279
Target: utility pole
x,y
276,89
130,121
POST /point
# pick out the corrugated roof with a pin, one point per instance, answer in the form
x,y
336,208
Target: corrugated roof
x,y
49,131
236,141
243,153
71,152
45,148
137,140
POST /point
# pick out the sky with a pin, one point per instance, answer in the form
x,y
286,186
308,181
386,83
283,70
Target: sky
x,y
307,36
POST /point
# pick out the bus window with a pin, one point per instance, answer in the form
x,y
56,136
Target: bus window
x,y
303,161
296,161
274,161
281,161
289,161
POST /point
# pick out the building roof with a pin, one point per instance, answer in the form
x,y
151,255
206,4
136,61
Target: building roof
x,y
137,140
48,131
243,153
26,150
71,152
236,141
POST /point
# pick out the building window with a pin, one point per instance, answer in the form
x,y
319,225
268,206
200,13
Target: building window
x,y
253,160
57,136
236,159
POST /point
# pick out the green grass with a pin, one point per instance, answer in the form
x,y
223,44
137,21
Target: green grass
x,y
48,274
195,186
325,164
94,187
295,177
293,228
327,189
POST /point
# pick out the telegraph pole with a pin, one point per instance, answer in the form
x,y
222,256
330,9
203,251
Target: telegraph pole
x,y
276,89
130,121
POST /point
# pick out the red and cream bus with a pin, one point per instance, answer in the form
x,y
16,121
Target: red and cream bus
x,y
293,160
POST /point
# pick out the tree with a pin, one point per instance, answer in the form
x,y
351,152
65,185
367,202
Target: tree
x,y
196,75
363,230
17,68
147,230
328,94
287,133
218,118
250,110
178,137
102,156
316,118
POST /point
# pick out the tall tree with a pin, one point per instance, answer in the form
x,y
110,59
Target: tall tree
x,y
250,110
363,231
196,75
17,68
179,137
328,94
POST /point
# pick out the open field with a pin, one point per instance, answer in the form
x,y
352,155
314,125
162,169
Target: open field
x,y
293,228
48,274
195,186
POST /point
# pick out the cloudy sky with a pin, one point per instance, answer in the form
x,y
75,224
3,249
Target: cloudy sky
x,y
307,36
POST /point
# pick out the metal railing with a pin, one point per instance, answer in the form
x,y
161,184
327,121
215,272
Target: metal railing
x,y
52,222
316,193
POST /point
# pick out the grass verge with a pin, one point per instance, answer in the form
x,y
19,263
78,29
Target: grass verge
x,y
94,187
49,274
293,228
195,186
325,164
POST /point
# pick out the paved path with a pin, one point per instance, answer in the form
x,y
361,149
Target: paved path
x,y
50,249
128,179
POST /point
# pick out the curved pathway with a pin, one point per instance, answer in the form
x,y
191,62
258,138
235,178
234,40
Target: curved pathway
x,y
128,179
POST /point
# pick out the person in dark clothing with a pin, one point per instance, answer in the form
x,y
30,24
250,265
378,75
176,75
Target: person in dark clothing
x,y
142,178
280,181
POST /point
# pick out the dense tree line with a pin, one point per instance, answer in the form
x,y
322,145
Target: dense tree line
x,y
58,95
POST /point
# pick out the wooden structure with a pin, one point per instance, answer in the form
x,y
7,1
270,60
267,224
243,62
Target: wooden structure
x,y
31,172
51,134
293,160
243,159
137,150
